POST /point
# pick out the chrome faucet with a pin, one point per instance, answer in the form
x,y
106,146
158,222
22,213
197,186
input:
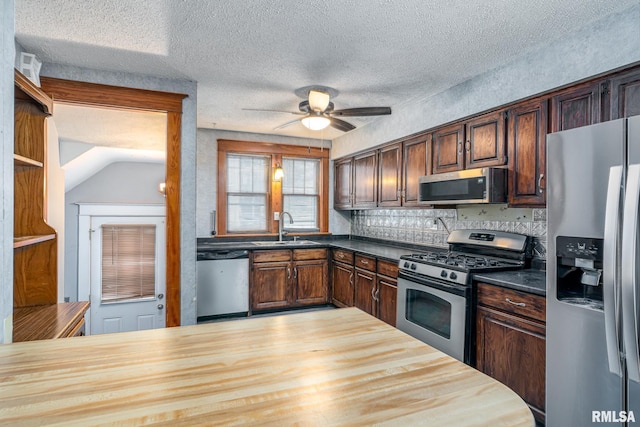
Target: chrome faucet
x,y
281,232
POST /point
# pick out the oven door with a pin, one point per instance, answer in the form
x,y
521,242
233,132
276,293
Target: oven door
x,y
435,312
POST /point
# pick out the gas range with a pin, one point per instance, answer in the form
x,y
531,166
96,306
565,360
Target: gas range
x,y
470,251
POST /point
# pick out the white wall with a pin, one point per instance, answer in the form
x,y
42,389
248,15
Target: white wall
x,y
207,175
55,198
608,44
7,47
122,182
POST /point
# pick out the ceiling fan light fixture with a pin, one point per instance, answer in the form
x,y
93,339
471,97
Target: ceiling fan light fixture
x,y
318,101
316,122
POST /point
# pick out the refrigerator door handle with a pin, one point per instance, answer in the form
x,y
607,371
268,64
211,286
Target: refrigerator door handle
x,y
611,276
630,273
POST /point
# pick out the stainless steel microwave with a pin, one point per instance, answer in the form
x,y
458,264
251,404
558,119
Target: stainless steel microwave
x,y
483,185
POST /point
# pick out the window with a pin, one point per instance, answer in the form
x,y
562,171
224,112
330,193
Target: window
x,y
247,193
248,196
300,193
128,262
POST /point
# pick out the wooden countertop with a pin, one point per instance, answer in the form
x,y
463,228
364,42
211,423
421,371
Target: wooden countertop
x,y
332,367
43,322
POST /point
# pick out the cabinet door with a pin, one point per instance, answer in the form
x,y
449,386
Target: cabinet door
x,y
485,144
342,283
415,164
576,107
390,175
512,350
365,180
311,280
625,95
387,296
448,155
364,291
527,153
270,285
342,191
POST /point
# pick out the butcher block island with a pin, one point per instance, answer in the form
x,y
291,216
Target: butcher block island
x,y
330,367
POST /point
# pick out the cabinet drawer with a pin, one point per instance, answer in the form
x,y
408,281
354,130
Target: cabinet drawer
x,y
365,263
342,256
388,268
303,254
511,301
272,255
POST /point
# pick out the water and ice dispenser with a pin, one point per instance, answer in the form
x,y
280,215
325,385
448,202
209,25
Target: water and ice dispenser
x,y
579,271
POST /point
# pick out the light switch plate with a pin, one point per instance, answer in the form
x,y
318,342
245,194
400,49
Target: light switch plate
x,y
276,216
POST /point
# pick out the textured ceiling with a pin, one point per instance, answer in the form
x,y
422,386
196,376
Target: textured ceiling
x,y
256,53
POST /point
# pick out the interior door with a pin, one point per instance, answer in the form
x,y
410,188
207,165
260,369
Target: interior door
x,y
127,274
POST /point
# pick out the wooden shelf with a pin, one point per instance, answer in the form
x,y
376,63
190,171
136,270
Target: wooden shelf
x,y
19,160
22,241
48,321
26,89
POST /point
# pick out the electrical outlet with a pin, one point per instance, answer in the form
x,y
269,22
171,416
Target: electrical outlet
x,y
430,224
276,216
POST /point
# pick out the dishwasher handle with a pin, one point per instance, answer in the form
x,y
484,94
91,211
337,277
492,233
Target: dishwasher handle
x,y
222,254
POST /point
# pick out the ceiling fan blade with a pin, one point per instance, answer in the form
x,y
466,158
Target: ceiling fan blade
x,y
284,125
318,101
297,113
341,125
364,111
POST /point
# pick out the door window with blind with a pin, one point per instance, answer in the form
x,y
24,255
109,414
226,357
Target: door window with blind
x,y
300,193
128,262
247,193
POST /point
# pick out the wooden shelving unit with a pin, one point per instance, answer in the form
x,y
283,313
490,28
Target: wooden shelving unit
x,y
35,243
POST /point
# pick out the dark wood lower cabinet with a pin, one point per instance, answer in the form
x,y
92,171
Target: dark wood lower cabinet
x,y
387,296
511,348
365,286
283,279
342,282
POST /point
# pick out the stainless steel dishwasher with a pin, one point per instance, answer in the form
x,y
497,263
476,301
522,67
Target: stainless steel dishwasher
x,y
223,283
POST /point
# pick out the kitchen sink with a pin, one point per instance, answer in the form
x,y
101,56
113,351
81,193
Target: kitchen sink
x,y
286,243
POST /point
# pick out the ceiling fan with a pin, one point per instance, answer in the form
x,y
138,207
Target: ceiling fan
x,y
318,112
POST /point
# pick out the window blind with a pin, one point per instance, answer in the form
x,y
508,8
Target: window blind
x,y
128,261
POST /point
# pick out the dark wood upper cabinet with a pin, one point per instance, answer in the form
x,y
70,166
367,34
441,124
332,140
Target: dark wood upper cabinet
x,y
343,193
576,107
485,143
415,164
625,94
390,175
365,180
527,153
448,154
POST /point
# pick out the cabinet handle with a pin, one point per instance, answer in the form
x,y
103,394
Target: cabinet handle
x,y
467,146
288,273
459,147
295,272
540,188
351,279
377,297
373,296
340,255
519,304
365,262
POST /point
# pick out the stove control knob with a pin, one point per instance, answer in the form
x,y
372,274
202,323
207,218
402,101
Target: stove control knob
x,y
443,273
406,264
413,266
453,276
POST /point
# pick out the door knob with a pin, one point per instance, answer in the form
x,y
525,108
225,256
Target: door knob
x,y
160,296
160,306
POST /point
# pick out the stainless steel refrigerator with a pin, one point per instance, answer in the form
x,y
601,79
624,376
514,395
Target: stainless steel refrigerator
x,y
593,182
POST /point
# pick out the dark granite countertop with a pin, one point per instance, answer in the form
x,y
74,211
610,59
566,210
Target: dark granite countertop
x,y
376,249
529,280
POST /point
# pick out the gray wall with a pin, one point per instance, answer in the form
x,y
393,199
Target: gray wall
x,y
6,169
207,166
122,182
188,160
608,44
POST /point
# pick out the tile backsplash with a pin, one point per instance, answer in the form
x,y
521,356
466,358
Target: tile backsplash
x,y
425,226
